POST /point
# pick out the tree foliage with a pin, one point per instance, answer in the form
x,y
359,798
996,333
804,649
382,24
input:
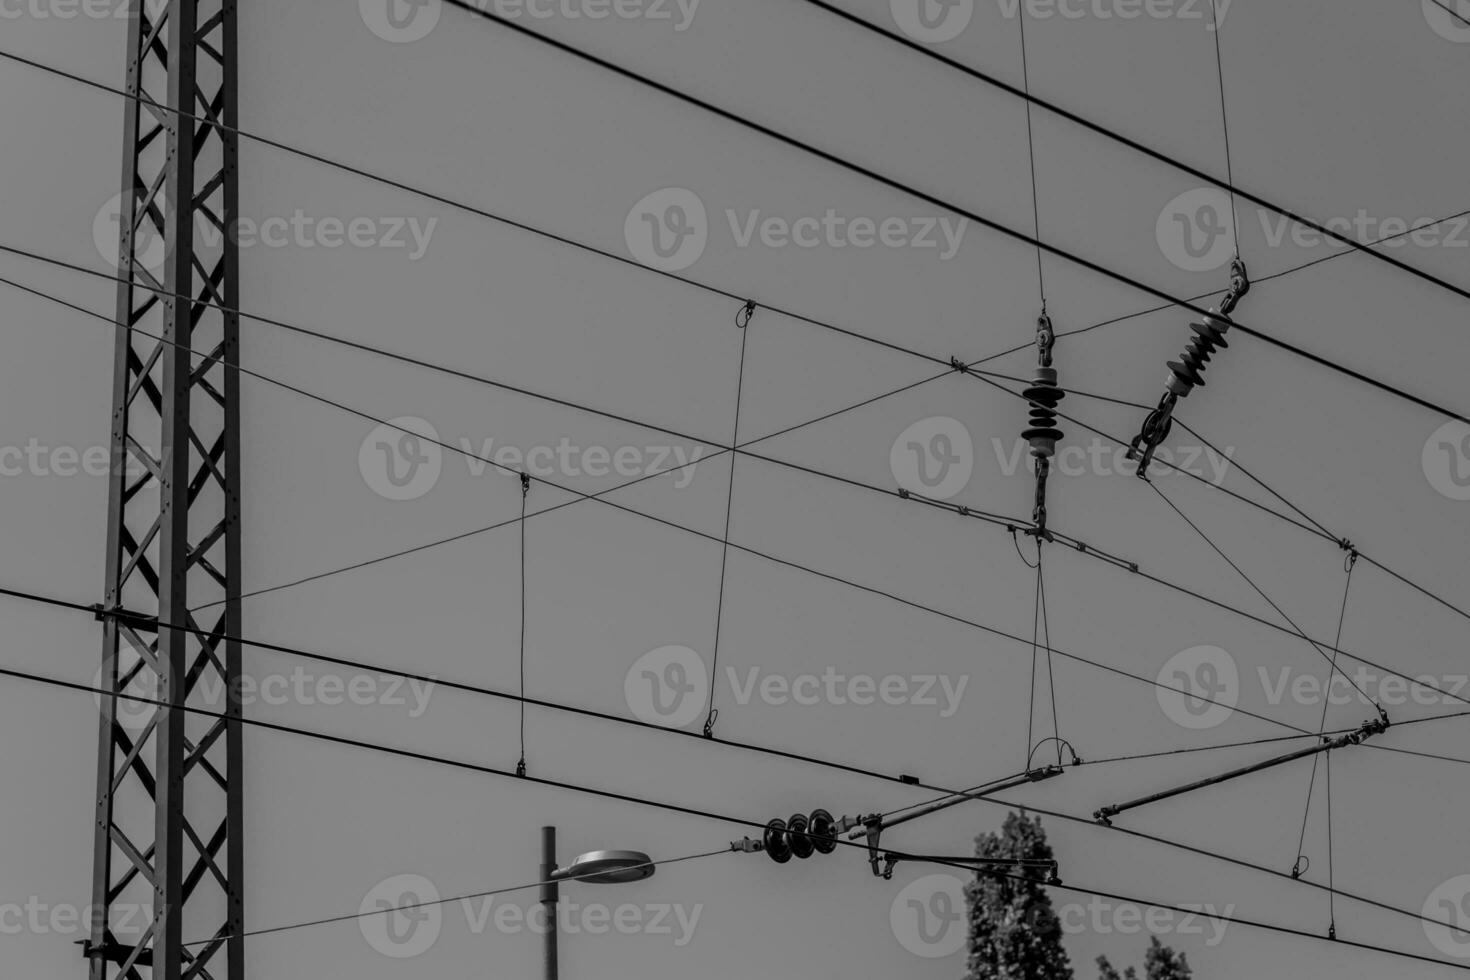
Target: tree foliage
x,y
1015,933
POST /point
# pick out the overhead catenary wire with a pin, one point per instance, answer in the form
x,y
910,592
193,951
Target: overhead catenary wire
x,y
674,807
1255,281
149,624
994,225
929,51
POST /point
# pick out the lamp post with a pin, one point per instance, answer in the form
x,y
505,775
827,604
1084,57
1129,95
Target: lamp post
x,y
598,867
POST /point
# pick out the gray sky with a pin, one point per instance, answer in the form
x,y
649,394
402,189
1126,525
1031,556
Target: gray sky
x,y
1348,111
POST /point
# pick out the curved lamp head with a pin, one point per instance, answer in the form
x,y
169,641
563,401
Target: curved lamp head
x,y
609,867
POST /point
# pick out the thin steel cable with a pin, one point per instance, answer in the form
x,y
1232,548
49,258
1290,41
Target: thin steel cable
x,y
492,893
1326,701
714,711
1453,13
1206,748
1331,859
1031,154
525,494
1225,125
1249,581
1031,688
1051,676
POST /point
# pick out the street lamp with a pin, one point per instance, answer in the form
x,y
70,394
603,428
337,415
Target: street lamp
x,y
598,867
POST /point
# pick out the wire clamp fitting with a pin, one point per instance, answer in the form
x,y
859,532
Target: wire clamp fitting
x,y
746,314
959,365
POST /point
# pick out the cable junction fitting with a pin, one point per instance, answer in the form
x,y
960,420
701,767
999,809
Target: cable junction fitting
x,y
1377,726
1187,373
1044,396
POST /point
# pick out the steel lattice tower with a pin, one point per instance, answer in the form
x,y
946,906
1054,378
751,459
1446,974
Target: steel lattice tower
x,y
168,828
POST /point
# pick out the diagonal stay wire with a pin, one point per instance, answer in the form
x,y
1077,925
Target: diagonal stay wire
x,y
1269,601
409,907
547,510
711,815
456,373
1135,569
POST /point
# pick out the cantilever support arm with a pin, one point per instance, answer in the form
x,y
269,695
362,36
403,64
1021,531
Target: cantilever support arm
x,y
1376,727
